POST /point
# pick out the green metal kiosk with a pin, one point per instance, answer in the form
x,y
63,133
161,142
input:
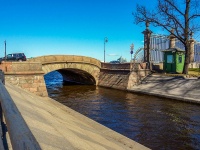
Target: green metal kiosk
x,y
174,59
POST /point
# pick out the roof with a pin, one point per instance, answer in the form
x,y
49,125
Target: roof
x,y
175,49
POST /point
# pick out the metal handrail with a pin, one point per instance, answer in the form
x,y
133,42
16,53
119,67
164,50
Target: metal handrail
x,y
2,77
1,114
20,135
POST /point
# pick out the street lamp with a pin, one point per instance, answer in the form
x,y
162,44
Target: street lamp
x,y
105,41
131,50
5,49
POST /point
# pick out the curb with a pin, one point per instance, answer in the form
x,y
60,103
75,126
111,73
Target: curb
x,y
173,97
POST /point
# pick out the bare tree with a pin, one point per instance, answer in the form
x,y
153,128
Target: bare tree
x,y
181,18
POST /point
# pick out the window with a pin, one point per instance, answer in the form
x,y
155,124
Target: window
x,y
9,56
169,58
180,59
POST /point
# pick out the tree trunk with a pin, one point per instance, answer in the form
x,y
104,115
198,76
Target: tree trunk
x,y
187,59
186,34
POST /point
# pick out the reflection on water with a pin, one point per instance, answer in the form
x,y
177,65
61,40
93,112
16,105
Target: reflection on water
x,y
154,122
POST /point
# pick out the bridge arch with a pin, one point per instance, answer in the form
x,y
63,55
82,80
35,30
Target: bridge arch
x,y
81,69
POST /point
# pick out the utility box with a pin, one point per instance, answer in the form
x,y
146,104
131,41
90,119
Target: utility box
x,y
174,59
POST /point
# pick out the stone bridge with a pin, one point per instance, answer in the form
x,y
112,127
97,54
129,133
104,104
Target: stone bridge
x,y
79,69
29,75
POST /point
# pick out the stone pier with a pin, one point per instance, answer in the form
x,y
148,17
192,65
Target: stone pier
x,y
122,76
27,75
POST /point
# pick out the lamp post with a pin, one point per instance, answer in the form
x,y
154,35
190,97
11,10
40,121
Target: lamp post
x,y
5,49
131,50
105,41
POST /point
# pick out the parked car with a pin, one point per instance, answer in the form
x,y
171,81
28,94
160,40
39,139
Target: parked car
x,y
114,62
14,57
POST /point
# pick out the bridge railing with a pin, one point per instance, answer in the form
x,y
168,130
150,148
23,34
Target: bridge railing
x,y
20,135
2,77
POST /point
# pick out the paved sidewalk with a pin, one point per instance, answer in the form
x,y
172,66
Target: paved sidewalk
x,y
177,88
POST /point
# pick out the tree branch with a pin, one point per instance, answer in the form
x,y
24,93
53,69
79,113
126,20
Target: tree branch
x,y
171,17
174,6
193,16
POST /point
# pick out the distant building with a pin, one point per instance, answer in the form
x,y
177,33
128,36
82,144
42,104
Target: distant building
x,y
159,42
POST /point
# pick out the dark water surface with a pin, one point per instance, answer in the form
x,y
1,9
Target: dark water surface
x,y
154,122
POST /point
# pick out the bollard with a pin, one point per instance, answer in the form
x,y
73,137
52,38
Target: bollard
x,y
2,77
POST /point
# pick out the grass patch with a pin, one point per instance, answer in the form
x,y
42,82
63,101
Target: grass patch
x,y
194,69
194,73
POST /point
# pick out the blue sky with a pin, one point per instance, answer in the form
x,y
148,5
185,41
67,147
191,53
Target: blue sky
x,y
70,27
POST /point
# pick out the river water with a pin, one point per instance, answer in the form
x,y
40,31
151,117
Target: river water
x,y
157,123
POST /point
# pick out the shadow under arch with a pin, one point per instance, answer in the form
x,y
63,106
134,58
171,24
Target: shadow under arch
x,y
76,76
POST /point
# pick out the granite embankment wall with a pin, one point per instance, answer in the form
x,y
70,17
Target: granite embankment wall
x,y
114,79
121,79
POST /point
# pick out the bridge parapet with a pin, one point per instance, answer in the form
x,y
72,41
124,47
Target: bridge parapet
x,y
109,66
124,66
50,59
21,67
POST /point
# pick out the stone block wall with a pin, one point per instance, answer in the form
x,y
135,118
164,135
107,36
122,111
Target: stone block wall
x,y
194,65
157,67
114,79
26,75
123,80
136,77
110,66
33,83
